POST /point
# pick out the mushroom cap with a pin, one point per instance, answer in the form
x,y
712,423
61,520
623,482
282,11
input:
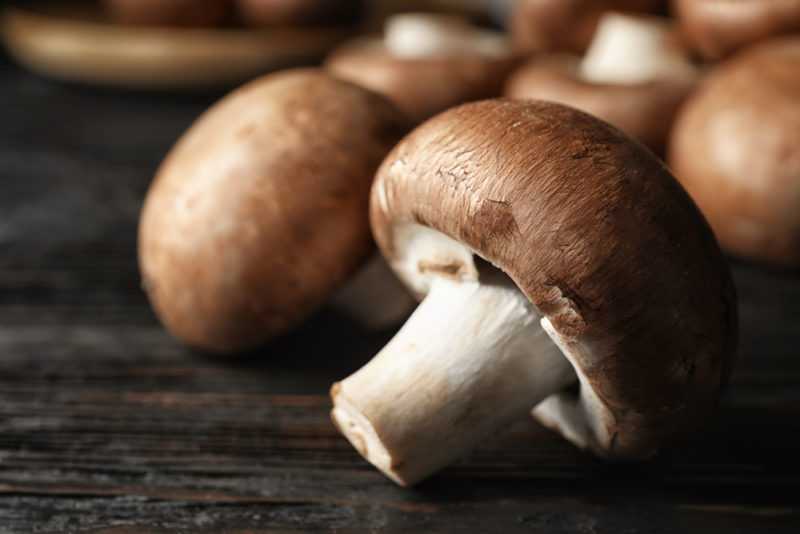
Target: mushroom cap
x,y
716,28
596,233
420,87
541,25
736,149
645,111
168,12
259,212
299,12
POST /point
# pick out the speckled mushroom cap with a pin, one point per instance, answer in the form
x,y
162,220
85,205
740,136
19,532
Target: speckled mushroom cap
x,y
259,212
599,237
420,87
645,111
736,149
716,28
542,25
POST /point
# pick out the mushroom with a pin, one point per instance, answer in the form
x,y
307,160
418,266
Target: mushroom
x,y
259,212
426,63
634,75
168,12
562,268
547,25
736,149
298,12
717,28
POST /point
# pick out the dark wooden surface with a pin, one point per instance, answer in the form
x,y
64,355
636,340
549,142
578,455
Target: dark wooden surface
x,y
109,425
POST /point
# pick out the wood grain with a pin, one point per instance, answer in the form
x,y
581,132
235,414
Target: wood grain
x,y
108,425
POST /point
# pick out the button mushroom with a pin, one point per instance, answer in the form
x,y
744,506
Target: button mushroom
x,y
563,268
259,212
718,28
426,63
546,25
736,149
634,75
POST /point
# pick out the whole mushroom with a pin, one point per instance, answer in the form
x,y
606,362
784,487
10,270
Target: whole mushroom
x,y
259,212
168,12
562,268
567,25
634,75
736,149
426,63
718,28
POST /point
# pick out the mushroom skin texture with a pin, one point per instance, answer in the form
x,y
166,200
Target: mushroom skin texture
x,y
736,149
624,271
168,12
259,212
717,28
299,12
636,82
424,82
565,25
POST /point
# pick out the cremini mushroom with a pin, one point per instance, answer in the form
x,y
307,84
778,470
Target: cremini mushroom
x,y
567,25
736,149
259,212
168,12
426,63
298,12
634,75
562,268
718,28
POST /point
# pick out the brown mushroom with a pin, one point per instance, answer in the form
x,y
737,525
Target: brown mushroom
x,y
426,63
544,25
718,28
736,149
259,212
299,12
168,12
596,270
634,75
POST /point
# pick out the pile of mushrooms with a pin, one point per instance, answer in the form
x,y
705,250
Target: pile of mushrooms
x,y
426,63
259,212
563,270
634,75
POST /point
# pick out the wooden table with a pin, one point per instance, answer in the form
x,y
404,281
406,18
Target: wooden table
x,y
109,425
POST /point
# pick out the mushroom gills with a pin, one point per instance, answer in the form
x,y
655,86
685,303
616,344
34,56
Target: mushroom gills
x,y
470,360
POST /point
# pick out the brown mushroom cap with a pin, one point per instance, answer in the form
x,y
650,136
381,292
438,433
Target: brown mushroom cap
x,y
168,12
716,28
259,212
540,25
736,149
645,111
420,87
299,12
601,239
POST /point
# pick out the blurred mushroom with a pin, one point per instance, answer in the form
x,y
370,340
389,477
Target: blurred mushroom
x,y
168,12
596,271
259,212
426,63
634,75
736,149
717,28
547,25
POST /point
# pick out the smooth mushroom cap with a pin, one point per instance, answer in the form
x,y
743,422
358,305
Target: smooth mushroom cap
x,y
168,12
597,234
259,212
567,25
736,149
717,28
299,12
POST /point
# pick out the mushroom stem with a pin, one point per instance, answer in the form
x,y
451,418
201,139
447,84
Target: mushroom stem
x,y
634,49
423,35
470,360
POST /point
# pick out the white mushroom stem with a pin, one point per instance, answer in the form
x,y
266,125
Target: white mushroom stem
x,y
423,35
634,49
470,360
